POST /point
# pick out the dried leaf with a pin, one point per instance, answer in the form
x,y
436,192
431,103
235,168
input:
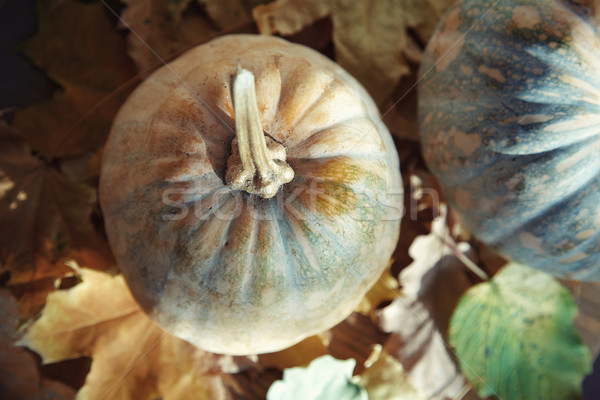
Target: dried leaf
x,y
354,338
132,357
79,50
386,379
373,39
385,289
31,296
45,217
432,285
251,384
159,30
300,354
587,320
230,13
19,376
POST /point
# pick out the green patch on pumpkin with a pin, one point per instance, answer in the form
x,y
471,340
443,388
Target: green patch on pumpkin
x,y
514,337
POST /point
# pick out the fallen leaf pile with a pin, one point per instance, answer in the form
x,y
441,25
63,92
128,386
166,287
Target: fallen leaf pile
x,y
66,310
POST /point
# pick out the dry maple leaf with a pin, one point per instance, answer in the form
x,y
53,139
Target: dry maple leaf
x,y
44,216
374,40
19,376
132,357
80,51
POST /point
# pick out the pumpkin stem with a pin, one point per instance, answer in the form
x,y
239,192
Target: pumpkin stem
x,y
257,162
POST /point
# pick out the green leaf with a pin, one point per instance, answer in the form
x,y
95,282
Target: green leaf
x,y
325,378
515,338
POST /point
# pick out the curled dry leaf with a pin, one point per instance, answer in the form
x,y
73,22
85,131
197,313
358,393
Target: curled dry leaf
x,y
432,285
374,40
19,376
49,217
132,357
80,51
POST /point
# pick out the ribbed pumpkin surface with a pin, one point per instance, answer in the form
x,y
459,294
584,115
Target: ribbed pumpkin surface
x,y
233,272
510,123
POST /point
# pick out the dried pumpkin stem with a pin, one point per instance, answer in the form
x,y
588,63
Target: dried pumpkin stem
x,y
257,162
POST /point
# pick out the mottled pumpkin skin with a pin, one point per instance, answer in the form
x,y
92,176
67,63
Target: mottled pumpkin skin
x,y
232,272
510,124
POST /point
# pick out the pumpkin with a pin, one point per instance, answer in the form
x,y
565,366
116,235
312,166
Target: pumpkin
x,y
509,102
251,194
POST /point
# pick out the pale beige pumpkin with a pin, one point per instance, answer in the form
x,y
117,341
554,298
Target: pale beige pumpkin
x,y
244,257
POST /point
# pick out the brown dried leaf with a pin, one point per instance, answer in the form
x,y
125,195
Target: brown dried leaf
x,y
587,321
374,40
229,13
432,285
79,50
19,376
251,384
44,217
159,30
300,354
132,357
354,337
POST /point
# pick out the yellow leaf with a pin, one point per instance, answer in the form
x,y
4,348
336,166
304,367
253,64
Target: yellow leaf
x,y
300,354
132,357
386,379
385,289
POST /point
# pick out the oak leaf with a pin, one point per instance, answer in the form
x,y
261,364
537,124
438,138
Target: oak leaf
x,y
132,357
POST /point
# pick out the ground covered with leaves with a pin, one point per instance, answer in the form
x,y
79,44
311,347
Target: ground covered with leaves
x,y
431,328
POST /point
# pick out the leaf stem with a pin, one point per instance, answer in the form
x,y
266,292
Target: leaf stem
x,y
465,260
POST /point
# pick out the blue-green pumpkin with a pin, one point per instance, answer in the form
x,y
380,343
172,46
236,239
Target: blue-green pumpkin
x,y
509,102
